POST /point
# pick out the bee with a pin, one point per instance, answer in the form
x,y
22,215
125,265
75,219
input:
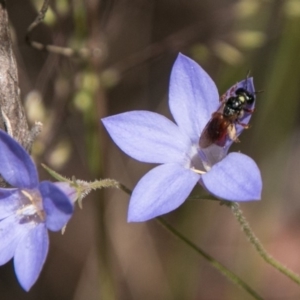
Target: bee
x,y
223,122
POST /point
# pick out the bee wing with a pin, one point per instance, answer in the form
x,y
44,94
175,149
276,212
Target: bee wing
x,y
214,132
205,138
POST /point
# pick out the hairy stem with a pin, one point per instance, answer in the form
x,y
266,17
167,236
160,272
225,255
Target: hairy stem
x,y
111,183
221,268
258,246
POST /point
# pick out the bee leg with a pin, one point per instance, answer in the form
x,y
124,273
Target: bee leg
x,y
231,131
249,111
246,126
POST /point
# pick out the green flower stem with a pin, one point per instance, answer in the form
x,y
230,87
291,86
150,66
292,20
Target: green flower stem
x,y
258,246
83,188
111,183
222,269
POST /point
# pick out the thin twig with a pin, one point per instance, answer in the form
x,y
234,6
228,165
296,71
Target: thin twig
x,y
64,51
40,17
172,43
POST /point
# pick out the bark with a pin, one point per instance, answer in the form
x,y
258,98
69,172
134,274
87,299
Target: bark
x,y
12,114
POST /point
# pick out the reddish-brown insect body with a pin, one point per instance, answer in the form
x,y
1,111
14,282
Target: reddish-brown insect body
x,y
223,122
215,131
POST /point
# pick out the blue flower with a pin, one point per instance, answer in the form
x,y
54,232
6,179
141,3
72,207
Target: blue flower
x,y
27,210
152,138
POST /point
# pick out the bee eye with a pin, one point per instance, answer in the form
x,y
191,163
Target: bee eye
x,y
250,99
240,92
244,96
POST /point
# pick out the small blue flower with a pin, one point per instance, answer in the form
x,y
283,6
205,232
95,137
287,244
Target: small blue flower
x,y
152,138
27,210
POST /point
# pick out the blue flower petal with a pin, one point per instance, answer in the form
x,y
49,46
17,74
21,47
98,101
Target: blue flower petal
x,y
57,205
16,166
10,234
69,191
148,137
235,178
193,96
9,202
30,256
160,191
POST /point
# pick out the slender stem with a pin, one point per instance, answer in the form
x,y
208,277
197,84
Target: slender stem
x,y
40,17
109,183
65,51
258,246
221,268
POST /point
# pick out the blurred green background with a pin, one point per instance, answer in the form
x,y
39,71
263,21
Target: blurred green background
x,y
127,50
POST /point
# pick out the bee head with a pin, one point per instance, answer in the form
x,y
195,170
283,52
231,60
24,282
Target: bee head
x,y
244,96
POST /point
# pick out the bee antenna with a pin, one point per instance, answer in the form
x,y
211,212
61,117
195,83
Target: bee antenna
x,y
247,76
258,92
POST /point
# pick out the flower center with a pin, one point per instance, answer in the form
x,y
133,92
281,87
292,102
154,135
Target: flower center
x,y
31,209
198,171
203,159
212,155
195,161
